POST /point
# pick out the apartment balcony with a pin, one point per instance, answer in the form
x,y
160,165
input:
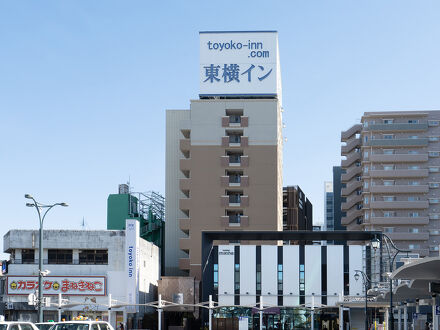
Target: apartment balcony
x,y
234,201
351,158
346,135
352,186
234,161
185,203
389,174
233,141
185,164
399,236
235,121
184,263
234,181
351,144
421,142
185,184
185,145
184,225
397,127
400,189
351,172
398,158
390,221
402,205
351,216
185,244
352,201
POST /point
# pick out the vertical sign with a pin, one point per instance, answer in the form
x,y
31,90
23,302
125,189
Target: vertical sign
x,y
132,263
239,63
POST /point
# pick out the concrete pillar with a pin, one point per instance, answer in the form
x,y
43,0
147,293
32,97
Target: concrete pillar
x,y
405,317
434,316
341,317
312,313
399,317
387,318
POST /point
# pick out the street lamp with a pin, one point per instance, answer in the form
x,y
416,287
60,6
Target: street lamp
x,y
365,281
40,207
375,244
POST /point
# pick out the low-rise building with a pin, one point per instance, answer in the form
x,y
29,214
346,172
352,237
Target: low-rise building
x,y
85,267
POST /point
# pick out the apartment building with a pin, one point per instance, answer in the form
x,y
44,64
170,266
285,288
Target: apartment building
x,y
391,177
297,209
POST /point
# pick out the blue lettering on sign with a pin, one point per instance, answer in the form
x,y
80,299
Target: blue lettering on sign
x,y
256,48
231,72
130,261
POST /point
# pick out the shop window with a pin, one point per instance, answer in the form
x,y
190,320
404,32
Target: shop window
x,y
59,256
93,257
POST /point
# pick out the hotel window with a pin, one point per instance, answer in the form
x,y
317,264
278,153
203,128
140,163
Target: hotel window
x,y
434,216
366,169
388,136
434,138
301,278
388,182
434,232
413,198
414,230
388,167
280,277
237,277
434,200
365,185
433,122
414,246
388,151
434,185
413,152
433,154
413,214
413,121
258,277
60,256
366,201
215,276
389,198
388,229
365,154
413,137
388,121
434,168
27,256
414,167
433,248
389,214
414,183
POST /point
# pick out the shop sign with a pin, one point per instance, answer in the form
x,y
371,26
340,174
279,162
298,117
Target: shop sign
x,y
53,285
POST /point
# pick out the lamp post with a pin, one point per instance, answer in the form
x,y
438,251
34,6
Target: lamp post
x,y
42,210
365,281
377,244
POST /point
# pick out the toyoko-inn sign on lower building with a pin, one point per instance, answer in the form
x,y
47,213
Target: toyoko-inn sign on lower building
x,y
239,63
53,285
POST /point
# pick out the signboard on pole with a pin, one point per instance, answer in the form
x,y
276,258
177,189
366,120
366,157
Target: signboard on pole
x,y
240,63
132,263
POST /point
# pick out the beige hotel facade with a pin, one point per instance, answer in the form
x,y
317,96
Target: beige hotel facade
x,y
391,177
223,172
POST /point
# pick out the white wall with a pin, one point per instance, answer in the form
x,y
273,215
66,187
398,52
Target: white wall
x,y
247,275
335,273
355,263
291,275
226,275
269,283
312,263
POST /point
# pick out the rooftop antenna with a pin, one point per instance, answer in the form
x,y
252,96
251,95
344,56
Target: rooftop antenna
x,y
83,224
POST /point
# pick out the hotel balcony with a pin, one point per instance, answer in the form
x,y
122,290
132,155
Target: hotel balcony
x,y
184,263
352,186
234,221
351,144
351,216
346,135
396,127
389,174
185,244
184,203
185,184
400,236
388,221
185,164
184,225
398,158
234,201
234,181
403,205
420,142
235,121
400,189
185,144
234,161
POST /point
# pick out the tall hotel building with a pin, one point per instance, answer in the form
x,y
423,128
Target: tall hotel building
x,y
391,178
224,154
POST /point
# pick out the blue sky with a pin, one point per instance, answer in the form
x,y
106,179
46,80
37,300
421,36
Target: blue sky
x,y
84,86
